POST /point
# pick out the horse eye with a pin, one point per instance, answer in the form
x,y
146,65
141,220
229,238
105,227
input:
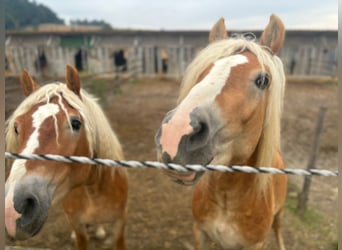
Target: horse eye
x,y
16,128
76,124
262,81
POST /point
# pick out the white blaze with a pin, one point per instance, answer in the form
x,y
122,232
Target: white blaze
x,y
212,84
38,117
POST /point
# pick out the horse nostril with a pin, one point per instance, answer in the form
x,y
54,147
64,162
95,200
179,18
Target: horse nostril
x,y
199,136
166,157
28,207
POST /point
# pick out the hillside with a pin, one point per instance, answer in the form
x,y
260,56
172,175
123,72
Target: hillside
x,y
23,13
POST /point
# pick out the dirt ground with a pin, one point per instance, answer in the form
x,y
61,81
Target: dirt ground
x,y
159,215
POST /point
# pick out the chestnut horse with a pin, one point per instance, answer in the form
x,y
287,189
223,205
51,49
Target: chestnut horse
x,y
228,113
63,119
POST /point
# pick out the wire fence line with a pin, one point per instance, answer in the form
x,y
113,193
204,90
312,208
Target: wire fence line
x,y
171,166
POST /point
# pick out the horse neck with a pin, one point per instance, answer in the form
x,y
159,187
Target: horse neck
x,y
102,177
234,183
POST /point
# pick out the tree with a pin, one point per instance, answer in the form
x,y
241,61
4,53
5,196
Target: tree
x,y
85,22
23,13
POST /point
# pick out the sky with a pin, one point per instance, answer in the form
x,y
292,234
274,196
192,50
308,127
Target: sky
x,y
200,14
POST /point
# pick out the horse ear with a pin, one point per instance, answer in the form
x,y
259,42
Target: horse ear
x,y
218,31
73,81
28,85
274,34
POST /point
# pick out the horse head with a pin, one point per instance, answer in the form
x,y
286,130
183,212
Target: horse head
x,y
229,104
49,121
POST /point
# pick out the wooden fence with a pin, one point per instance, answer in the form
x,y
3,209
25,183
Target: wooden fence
x,y
151,60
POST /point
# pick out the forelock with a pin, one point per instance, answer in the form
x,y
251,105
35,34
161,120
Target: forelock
x,y
43,95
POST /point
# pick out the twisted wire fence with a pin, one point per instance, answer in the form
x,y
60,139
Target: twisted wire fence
x,y
171,166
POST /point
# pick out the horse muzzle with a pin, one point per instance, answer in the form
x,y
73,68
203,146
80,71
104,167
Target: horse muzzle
x,y
182,142
26,207
195,146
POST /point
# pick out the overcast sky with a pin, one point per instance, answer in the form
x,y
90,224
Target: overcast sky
x,y
200,14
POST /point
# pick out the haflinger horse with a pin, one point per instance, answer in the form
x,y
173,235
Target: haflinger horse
x,y
228,113
63,119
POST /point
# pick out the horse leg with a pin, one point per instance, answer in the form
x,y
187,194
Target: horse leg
x,y
277,231
80,233
81,239
258,246
119,232
200,238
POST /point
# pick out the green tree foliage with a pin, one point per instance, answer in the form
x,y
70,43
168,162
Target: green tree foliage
x,y
85,22
23,13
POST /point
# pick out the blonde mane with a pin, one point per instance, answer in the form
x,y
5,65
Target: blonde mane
x,y
269,143
102,141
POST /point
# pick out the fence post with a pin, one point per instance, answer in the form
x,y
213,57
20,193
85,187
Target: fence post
x,y
304,195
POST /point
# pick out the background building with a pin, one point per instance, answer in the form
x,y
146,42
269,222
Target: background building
x,y
48,50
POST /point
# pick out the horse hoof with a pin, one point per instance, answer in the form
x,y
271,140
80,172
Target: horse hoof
x,y
73,235
100,233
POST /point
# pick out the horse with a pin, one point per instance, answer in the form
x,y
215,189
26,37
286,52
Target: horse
x,y
228,113
62,118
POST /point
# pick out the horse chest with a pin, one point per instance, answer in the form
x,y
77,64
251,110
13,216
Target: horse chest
x,y
94,207
219,220
225,232
233,225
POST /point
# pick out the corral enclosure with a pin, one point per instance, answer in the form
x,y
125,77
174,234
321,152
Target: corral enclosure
x,y
142,71
159,215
